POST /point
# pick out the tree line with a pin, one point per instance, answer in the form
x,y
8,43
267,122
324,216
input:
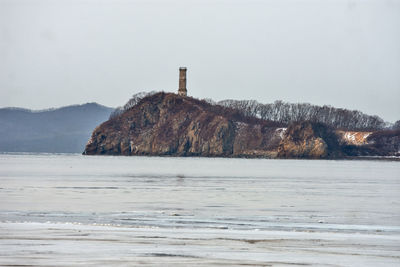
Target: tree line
x,y
131,103
287,113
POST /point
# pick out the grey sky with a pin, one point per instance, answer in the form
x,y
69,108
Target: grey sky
x,y
345,53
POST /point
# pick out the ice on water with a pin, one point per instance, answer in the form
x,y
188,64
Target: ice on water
x,y
188,211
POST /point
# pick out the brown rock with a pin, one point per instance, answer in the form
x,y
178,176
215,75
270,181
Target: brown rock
x,y
309,140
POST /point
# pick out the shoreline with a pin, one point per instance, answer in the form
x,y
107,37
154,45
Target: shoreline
x,y
373,158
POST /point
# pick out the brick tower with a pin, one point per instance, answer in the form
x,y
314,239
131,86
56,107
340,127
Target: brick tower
x,y
182,82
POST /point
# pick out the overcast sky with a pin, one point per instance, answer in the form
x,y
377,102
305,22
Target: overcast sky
x,y
344,53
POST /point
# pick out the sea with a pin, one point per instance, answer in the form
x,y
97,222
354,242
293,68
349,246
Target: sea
x,y
75,210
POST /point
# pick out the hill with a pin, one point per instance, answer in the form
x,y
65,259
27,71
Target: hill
x,y
61,130
166,124
169,124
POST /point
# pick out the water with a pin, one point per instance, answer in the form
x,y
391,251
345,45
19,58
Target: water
x,y
65,210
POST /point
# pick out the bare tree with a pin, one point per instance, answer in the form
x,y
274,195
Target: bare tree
x,y
286,113
133,101
396,125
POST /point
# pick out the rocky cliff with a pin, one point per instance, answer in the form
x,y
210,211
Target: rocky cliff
x,y
168,124
380,143
309,140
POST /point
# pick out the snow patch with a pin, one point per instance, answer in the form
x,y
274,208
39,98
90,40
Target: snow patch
x,y
281,132
356,138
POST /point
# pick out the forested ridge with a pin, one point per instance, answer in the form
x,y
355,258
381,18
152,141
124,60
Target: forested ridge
x,y
285,113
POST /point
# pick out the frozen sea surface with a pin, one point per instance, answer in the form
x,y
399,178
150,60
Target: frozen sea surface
x,y
73,210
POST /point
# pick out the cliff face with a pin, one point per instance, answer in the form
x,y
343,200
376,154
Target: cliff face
x,y
379,143
309,140
385,143
168,124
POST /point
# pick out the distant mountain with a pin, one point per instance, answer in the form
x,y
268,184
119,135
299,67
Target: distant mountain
x,y
61,130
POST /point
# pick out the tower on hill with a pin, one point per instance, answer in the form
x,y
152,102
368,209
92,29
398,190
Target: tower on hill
x,y
182,82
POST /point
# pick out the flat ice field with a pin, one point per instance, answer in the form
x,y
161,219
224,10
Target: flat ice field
x,y
71,210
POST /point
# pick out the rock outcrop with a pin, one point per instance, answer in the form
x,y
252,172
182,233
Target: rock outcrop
x,y
309,140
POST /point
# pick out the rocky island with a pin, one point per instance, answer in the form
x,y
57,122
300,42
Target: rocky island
x,y
167,124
